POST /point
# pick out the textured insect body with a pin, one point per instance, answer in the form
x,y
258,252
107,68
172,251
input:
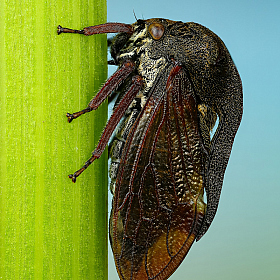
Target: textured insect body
x,y
173,80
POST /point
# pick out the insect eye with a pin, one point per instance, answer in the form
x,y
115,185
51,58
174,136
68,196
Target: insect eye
x,y
156,30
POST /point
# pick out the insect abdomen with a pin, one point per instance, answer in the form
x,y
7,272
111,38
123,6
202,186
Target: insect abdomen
x,y
119,139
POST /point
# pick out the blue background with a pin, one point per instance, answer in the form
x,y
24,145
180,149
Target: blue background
x,y
243,241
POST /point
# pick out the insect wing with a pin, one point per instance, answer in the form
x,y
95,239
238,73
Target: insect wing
x,y
158,204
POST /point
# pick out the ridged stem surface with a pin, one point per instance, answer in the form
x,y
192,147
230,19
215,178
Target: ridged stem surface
x,y
51,228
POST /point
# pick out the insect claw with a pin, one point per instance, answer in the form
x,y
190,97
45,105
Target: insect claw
x,y
59,29
73,177
70,117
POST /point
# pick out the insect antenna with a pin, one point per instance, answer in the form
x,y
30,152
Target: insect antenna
x,y
135,15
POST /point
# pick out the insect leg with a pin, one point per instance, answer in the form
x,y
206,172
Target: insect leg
x,y
111,84
110,27
112,123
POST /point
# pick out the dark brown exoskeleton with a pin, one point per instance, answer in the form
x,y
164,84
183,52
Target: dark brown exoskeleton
x,y
173,80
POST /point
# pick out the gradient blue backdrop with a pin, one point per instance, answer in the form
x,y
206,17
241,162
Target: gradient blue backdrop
x,y
243,241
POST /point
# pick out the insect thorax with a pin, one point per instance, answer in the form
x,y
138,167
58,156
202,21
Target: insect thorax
x,y
148,69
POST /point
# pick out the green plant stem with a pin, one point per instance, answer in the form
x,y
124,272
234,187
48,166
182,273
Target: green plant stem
x,y
51,228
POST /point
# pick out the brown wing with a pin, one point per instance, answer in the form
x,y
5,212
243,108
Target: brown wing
x,y
158,205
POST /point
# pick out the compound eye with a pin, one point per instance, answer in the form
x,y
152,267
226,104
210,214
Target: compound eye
x,y
156,30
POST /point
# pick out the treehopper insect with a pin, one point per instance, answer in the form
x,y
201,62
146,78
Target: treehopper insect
x,y
173,80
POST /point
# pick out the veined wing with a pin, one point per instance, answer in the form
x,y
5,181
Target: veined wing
x,y
158,204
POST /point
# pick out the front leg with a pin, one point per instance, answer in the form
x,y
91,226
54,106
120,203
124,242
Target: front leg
x,y
111,84
99,29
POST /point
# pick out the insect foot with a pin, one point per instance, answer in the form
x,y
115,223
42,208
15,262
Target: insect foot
x,y
73,116
61,29
70,117
73,177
